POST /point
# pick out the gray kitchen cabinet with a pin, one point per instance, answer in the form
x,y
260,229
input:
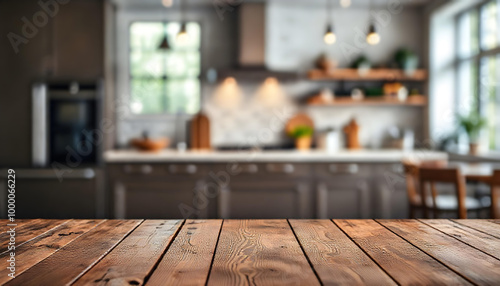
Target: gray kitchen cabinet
x,y
40,194
342,191
78,38
272,190
158,191
390,190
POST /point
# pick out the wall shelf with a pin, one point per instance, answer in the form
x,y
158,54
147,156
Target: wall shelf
x,y
371,75
413,100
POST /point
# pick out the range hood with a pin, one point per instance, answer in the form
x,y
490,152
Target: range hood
x,y
252,46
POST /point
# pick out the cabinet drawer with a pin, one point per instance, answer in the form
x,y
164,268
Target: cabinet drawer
x,y
342,169
159,170
271,170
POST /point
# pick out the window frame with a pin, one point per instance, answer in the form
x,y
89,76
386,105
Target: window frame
x,y
121,59
474,59
164,78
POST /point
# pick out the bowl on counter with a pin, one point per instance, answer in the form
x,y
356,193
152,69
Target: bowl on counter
x,y
150,145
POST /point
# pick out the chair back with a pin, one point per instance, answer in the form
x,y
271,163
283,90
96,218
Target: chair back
x,y
453,176
495,193
412,189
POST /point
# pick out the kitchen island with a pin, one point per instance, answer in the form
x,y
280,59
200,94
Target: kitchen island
x,y
254,252
259,184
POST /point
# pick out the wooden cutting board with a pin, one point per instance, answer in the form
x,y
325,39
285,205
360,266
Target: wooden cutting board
x,y
300,119
200,132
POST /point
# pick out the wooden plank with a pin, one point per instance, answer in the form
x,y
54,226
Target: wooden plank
x,y
471,263
336,259
259,252
41,247
29,231
401,260
480,240
135,257
188,259
71,261
485,226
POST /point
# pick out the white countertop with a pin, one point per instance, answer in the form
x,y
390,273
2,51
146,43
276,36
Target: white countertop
x,y
383,156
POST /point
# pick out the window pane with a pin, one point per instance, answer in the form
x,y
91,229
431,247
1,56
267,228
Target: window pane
x,y
489,26
467,89
164,80
468,34
183,95
490,97
147,96
147,64
183,64
146,36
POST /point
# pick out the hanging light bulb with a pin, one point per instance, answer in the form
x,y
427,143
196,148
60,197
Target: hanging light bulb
x,y
329,36
373,37
182,36
345,3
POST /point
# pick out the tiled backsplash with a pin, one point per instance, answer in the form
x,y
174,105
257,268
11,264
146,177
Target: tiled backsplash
x,y
255,114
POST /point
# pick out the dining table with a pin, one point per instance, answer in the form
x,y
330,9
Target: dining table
x,y
250,252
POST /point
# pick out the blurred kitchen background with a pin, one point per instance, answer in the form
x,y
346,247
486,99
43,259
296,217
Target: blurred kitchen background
x,y
239,108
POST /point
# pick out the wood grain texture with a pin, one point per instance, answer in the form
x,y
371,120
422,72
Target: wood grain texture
x,y
336,259
188,259
480,240
485,226
42,246
67,264
135,257
28,231
475,265
401,260
259,252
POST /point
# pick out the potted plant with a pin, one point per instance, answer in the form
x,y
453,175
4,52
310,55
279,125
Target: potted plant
x,y
303,136
406,60
472,124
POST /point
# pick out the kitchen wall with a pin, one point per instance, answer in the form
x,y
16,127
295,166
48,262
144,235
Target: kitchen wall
x,y
62,44
255,114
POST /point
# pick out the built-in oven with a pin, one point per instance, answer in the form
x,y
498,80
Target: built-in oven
x,y
65,119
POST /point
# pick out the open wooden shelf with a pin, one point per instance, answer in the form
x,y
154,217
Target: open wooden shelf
x,y
413,100
373,74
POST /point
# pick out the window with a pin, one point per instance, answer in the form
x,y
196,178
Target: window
x,y
478,65
164,81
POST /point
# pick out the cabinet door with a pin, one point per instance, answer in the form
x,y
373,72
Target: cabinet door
x,y
78,35
265,200
343,198
158,200
392,196
52,199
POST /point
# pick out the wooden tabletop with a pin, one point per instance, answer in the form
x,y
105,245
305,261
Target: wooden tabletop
x,y
480,172
253,252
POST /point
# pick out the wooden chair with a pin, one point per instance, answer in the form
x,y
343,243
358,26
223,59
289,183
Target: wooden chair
x,y
412,187
459,203
411,171
495,192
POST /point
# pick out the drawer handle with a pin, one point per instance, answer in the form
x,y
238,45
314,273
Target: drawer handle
x,y
344,169
143,169
189,169
280,168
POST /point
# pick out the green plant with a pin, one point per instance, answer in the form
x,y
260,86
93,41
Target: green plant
x,y
472,124
301,131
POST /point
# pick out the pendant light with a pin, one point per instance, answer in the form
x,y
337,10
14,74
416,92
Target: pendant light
x,y
345,3
182,37
330,38
164,44
373,38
